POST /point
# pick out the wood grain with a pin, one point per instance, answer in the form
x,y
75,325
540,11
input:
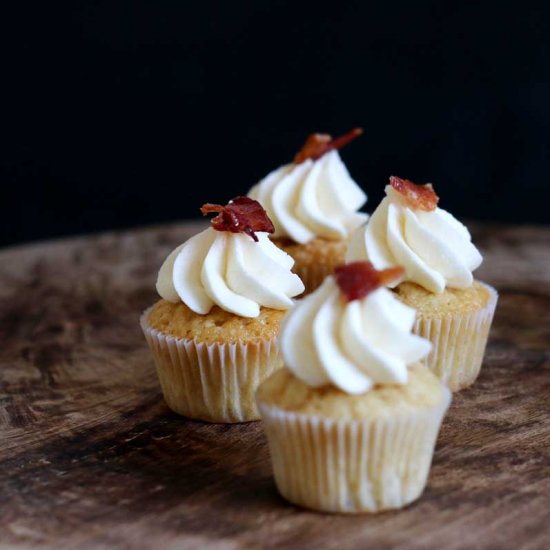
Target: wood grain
x,y
92,458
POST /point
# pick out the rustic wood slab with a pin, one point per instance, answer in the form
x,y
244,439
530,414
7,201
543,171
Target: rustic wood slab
x,y
92,458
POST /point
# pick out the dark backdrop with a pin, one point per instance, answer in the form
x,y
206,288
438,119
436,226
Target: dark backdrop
x,y
121,113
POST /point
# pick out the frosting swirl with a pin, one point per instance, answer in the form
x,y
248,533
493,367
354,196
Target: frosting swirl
x,y
315,198
231,271
353,345
435,249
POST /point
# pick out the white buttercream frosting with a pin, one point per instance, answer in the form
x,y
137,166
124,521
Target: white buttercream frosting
x,y
312,199
229,270
353,345
433,247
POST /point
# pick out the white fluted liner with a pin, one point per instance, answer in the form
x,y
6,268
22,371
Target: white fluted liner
x,y
459,343
215,382
352,466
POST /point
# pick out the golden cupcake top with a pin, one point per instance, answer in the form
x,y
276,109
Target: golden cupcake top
x,y
285,391
314,196
409,229
352,333
232,265
218,327
454,301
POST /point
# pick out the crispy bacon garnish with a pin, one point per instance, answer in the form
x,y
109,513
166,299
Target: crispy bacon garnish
x,y
240,215
358,279
317,145
420,197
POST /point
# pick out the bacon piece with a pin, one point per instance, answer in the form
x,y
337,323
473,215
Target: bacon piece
x,y
358,279
420,197
317,145
240,215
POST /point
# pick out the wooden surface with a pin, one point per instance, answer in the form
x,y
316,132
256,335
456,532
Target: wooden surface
x,y
90,456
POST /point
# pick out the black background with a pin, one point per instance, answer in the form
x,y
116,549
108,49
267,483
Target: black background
x,y
126,113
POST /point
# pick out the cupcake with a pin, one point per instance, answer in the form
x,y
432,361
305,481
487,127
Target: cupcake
x,y
454,311
352,418
214,333
313,203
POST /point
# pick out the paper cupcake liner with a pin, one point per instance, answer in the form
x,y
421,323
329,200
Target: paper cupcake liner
x,y
352,466
214,382
459,343
313,275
